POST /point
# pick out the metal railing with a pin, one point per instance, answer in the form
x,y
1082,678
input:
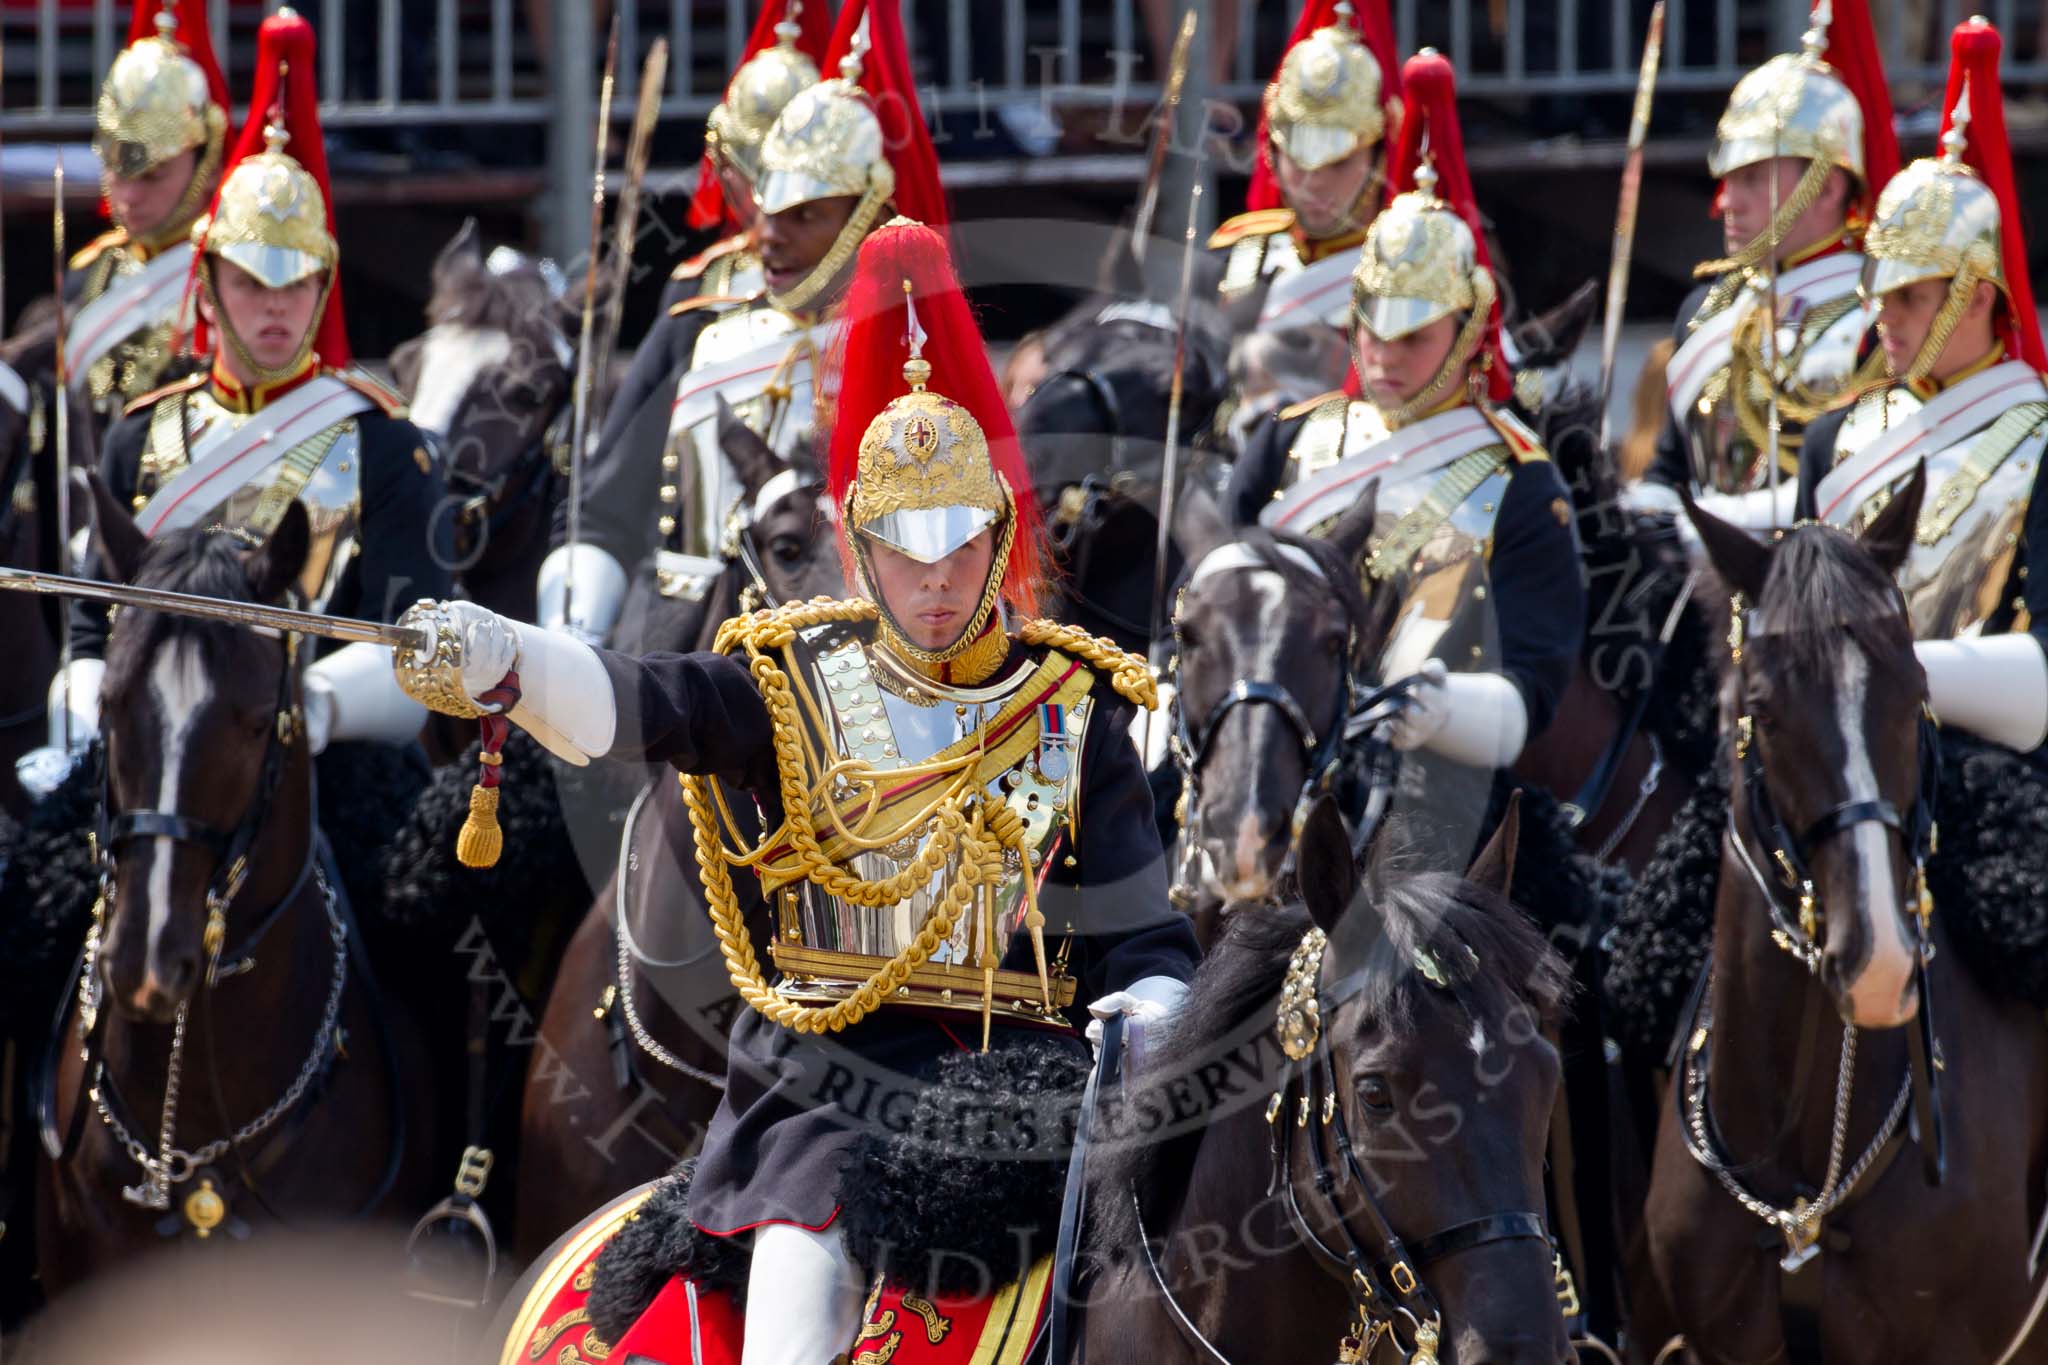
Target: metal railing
x,y
452,63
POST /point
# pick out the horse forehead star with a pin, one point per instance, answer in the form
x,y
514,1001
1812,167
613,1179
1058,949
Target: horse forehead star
x,y
452,355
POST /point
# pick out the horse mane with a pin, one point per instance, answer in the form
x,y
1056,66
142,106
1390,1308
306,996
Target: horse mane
x,y
1238,985
1822,584
194,560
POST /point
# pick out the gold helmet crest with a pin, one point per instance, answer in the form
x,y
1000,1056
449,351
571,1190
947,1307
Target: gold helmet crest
x,y
1794,105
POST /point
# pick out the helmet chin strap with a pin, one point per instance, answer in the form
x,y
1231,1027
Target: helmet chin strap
x,y
807,291
263,374
1961,286
1733,268
1462,350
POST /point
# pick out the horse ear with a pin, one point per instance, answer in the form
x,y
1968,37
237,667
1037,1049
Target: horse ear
x,y
116,538
1742,561
464,249
1494,868
751,458
1889,537
1324,867
275,566
1199,524
1353,530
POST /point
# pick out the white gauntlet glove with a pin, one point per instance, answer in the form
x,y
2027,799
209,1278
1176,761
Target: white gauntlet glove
x,y
1478,719
1148,1000
566,700
75,708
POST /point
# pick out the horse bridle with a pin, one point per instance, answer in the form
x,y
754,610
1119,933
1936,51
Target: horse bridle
x,y
230,848
1797,926
739,545
483,507
1353,736
1390,1299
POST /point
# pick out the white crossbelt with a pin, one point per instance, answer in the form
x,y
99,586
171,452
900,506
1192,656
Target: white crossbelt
x,y
1707,350
225,458
1943,421
129,305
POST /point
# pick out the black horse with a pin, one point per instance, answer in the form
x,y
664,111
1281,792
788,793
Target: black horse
x,y
1340,1143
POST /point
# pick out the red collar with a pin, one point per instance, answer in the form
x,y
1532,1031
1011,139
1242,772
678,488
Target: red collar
x,y
233,396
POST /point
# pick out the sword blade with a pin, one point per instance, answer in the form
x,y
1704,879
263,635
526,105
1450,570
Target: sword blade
x,y
245,614
1625,212
1162,137
579,423
626,221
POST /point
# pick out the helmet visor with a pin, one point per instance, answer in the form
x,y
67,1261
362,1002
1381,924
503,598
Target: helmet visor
x,y
1312,146
928,534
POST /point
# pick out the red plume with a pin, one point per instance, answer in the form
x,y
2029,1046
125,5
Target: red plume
x,y
193,35
885,75
1376,28
707,206
870,359
1975,51
288,92
1852,52
1431,124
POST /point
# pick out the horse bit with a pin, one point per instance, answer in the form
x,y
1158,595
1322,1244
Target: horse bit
x,y
1798,932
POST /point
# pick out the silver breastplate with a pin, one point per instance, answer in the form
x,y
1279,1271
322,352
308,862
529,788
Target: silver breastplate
x,y
323,473
777,401
1960,568
1256,256
1431,541
887,717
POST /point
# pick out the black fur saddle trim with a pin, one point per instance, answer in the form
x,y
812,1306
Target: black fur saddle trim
x,y
430,894
967,1195
1989,876
47,887
653,1246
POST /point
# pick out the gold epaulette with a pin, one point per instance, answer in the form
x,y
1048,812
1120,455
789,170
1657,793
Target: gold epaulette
x,y
149,400
1128,673
1309,405
388,400
682,306
699,263
1257,223
98,247
1522,443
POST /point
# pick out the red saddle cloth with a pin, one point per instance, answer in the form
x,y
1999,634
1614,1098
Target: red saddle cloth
x,y
690,1325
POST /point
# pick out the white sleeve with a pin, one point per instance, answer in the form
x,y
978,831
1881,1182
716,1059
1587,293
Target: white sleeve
x,y
1995,686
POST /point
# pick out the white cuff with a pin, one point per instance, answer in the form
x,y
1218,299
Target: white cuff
x,y
358,687
1995,686
600,590
1758,512
82,701
13,388
1488,722
1647,495
565,694
1164,991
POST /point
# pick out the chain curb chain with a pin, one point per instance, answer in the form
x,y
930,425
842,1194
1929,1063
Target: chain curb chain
x,y
1800,1225
173,1165
1645,789
639,1031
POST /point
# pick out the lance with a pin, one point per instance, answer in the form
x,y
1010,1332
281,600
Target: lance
x,y
1625,214
626,222
62,398
1771,361
1162,138
250,615
579,425
1169,469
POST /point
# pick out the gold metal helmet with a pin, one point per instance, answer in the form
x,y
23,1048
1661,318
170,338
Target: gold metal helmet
x,y
1794,105
760,90
1325,102
826,144
271,217
155,104
925,484
1935,220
